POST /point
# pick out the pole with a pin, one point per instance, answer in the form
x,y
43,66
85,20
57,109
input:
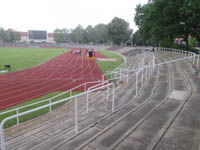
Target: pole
x,y
76,116
113,99
107,92
87,103
17,112
194,59
136,88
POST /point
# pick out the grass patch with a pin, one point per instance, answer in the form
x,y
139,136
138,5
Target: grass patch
x,y
109,66
34,114
22,58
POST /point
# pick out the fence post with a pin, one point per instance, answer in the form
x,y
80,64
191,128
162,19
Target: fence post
x,y
17,112
198,61
113,99
76,116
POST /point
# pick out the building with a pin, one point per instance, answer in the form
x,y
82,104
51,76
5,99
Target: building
x,y
50,38
25,36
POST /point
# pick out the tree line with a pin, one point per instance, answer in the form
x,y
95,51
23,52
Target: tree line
x,y
9,36
117,32
161,21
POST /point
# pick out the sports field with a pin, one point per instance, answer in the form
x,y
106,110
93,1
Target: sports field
x,y
58,74
22,58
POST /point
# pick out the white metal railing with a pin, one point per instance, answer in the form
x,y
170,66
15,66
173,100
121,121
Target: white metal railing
x,y
54,103
17,110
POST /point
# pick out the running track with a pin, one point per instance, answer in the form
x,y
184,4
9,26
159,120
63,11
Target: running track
x,y
59,74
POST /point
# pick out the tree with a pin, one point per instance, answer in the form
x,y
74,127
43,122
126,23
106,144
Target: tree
x,y
163,20
118,31
61,35
137,38
77,34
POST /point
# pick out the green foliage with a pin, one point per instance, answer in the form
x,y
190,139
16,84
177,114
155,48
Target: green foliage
x,y
167,19
9,36
138,39
77,34
61,35
22,58
118,31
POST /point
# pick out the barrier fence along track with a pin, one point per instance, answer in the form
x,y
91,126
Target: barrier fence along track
x,y
122,72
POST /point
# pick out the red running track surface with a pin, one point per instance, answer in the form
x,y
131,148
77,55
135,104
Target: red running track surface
x,y
59,74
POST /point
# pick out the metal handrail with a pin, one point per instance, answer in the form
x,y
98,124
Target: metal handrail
x,y
48,99
49,105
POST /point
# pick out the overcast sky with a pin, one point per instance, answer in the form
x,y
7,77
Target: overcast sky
x,y
23,15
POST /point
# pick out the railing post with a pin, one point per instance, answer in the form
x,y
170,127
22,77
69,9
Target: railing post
x,y
50,106
107,92
113,99
127,76
136,88
194,59
142,77
115,74
102,78
2,138
17,112
70,94
76,116
85,87
146,72
158,69
120,71
87,101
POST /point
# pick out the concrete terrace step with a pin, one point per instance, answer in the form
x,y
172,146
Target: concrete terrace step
x,y
72,144
109,138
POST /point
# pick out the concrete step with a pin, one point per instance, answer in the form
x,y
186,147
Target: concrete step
x,y
100,125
